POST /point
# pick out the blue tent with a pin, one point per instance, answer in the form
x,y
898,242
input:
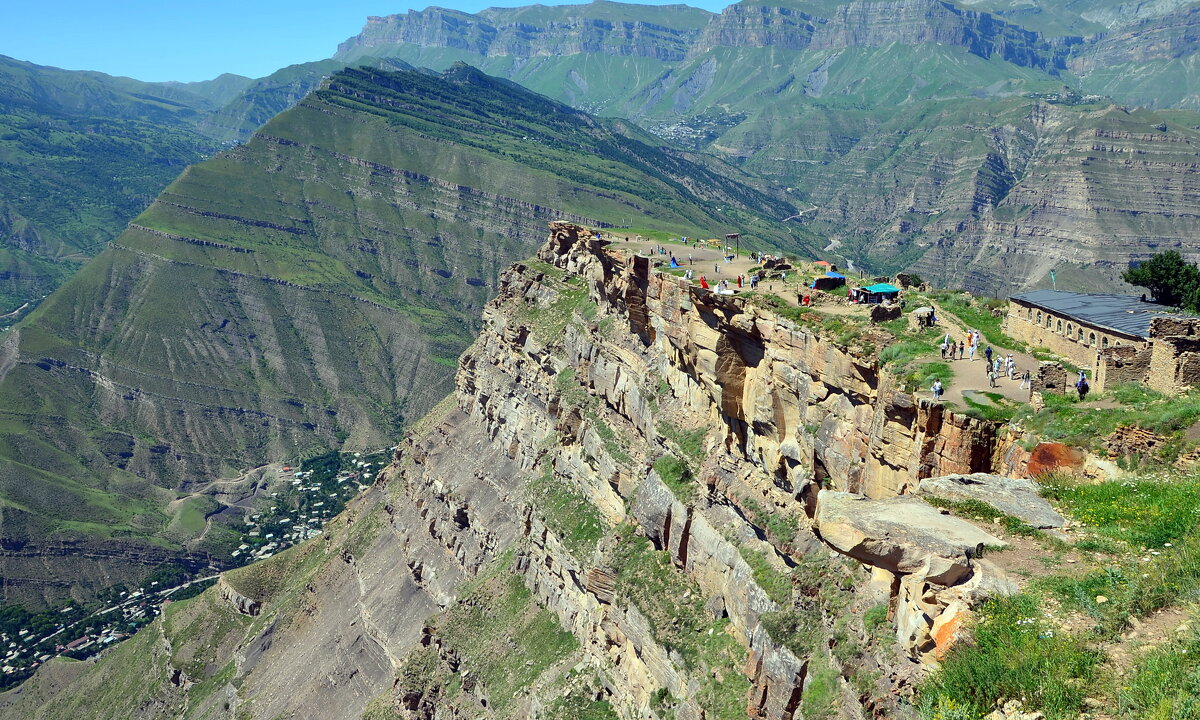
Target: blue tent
x,y
835,275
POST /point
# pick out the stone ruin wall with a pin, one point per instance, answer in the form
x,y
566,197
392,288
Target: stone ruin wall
x,y
1125,364
1168,363
1175,359
1019,326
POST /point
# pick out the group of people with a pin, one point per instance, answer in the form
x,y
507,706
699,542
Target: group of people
x,y
998,366
725,287
951,347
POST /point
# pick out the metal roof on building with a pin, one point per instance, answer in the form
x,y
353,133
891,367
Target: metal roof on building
x,y
1125,314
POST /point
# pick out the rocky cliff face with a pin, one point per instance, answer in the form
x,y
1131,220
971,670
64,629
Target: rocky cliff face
x,y
1093,189
1169,37
875,24
648,498
590,29
497,32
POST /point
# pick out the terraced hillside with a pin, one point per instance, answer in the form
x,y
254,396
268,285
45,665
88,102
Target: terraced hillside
x,y
309,289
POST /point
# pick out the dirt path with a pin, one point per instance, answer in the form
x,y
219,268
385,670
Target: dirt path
x,y
705,261
971,377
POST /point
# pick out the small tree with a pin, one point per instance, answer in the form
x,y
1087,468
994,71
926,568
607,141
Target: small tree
x,y
1170,279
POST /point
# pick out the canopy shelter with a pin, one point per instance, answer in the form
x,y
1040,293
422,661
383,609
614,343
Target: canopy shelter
x,y
877,293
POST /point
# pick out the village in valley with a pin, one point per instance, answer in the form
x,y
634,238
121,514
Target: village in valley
x,y
291,508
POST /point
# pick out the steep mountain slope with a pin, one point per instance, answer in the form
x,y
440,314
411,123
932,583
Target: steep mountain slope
x,y
257,101
80,155
620,515
902,127
311,287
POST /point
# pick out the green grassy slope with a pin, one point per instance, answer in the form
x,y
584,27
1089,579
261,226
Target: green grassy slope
x,y
80,154
310,288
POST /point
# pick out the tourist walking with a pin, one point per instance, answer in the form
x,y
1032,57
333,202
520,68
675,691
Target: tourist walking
x,y
937,390
1026,381
987,352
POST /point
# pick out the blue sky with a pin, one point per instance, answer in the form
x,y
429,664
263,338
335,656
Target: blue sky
x,y
195,39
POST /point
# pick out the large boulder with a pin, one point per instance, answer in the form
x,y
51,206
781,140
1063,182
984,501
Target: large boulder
x,y
904,535
1013,496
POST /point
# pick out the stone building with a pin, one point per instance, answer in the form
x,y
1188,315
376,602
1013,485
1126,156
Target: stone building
x,y
1119,338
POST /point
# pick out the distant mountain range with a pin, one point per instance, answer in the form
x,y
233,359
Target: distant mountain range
x,y
812,96
966,141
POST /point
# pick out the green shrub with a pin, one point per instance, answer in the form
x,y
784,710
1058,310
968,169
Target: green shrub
x,y
1013,654
821,693
776,584
676,475
797,629
875,618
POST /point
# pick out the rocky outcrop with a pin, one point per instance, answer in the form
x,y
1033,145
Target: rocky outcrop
x,y
236,600
1013,496
791,406
904,535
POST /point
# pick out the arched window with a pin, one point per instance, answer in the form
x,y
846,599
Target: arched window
x,y
1092,339
1059,327
1118,343
1029,313
1080,334
1039,320
1049,320
1104,342
1069,330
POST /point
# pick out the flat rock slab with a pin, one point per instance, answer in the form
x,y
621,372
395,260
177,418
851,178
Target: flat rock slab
x,y
901,534
1013,496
